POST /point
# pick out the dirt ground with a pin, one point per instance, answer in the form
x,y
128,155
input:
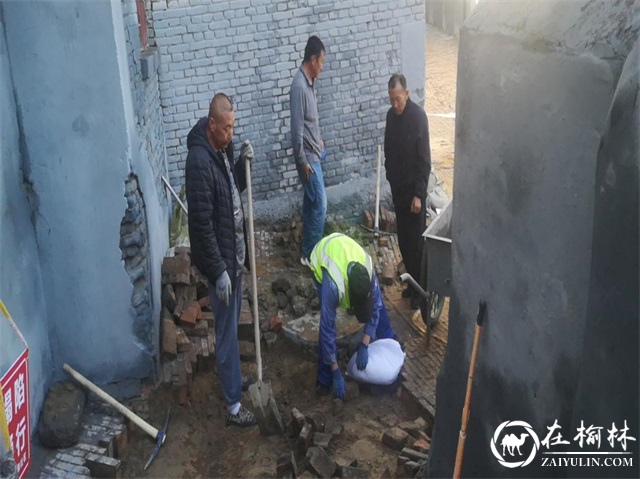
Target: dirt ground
x,y
199,444
442,68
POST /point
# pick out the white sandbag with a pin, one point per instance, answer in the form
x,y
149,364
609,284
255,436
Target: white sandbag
x,y
385,361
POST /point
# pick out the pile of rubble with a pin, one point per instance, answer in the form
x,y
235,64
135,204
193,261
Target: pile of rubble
x,y
313,433
186,323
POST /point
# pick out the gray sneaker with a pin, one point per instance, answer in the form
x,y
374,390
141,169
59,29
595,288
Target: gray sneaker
x,y
244,418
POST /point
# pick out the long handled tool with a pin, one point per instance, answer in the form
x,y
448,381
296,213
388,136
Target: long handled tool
x,y
376,230
7,463
467,400
158,435
266,409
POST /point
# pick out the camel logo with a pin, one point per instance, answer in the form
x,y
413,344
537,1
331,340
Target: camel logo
x,y
511,444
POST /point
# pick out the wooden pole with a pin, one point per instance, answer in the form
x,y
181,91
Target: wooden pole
x,y
254,277
467,399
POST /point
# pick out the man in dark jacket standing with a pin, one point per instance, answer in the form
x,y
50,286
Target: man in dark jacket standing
x,y
408,165
218,239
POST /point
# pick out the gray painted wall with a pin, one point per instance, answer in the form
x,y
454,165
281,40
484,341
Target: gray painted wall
x,y
251,50
608,385
21,287
71,76
448,15
535,82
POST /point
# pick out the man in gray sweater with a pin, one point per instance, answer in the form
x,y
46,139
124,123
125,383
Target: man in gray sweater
x,y
308,146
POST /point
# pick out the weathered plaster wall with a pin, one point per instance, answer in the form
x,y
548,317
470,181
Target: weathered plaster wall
x,y
448,15
70,69
608,383
21,287
535,82
251,51
145,95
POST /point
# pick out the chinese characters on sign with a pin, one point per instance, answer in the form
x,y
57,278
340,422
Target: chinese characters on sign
x,y
15,387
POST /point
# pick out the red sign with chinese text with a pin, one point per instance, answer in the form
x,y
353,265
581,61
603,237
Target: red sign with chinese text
x,y
15,387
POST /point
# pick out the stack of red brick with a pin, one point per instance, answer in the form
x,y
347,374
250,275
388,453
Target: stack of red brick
x,y
186,322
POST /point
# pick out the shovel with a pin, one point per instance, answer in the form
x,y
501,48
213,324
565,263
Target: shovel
x,y
264,405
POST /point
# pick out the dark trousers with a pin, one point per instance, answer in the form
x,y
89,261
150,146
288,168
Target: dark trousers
x,y
410,229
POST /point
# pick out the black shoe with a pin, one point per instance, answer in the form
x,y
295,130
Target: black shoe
x,y
407,292
246,382
322,389
415,301
244,418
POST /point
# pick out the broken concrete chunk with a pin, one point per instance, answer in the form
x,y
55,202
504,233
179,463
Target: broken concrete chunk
x,y
411,428
353,473
103,466
299,306
298,420
283,300
304,439
414,455
322,439
284,466
421,423
395,438
411,468
320,463
280,285
383,242
60,422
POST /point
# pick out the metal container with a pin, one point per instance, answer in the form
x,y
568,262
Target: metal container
x,y
438,248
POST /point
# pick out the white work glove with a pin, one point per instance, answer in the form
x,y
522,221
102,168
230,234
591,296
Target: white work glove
x,y
246,151
223,288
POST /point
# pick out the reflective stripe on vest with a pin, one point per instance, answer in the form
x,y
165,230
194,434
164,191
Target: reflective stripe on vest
x,y
334,253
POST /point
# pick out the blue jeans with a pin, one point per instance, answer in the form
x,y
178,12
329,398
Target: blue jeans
x,y
314,209
226,350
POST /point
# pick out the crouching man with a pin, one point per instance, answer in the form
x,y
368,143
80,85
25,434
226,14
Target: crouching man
x,y
344,276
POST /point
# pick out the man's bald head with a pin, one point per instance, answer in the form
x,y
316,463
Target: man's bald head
x,y
220,104
220,121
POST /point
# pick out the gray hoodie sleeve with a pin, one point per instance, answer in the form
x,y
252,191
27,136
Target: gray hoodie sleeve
x,y
296,104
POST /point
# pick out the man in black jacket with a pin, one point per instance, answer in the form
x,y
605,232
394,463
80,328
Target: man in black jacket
x,y
218,238
408,165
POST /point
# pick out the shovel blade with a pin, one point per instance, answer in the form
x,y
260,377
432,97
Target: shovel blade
x,y
266,409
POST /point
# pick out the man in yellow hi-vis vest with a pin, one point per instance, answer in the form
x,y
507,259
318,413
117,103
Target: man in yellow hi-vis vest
x,y
344,276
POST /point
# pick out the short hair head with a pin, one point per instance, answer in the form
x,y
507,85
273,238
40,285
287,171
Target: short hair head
x,y
397,78
314,48
219,104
